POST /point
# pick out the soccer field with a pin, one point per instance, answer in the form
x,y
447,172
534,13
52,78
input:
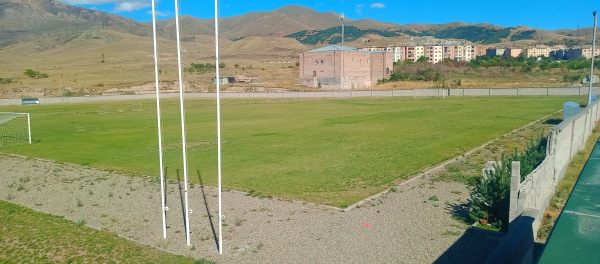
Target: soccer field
x,y
328,151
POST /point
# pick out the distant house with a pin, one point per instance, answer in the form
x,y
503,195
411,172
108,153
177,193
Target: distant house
x,y
343,67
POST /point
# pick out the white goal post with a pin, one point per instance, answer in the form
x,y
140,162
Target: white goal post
x,y
15,128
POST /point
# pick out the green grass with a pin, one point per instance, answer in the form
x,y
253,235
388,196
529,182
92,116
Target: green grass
x,y
329,151
28,236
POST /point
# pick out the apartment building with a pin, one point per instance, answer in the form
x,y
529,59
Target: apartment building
x,y
574,53
343,67
513,52
537,52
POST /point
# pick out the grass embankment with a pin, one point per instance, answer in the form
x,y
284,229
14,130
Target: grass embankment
x,y
28,236
564,188
333,152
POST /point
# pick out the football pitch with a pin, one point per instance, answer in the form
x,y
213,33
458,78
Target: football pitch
x,y
328,151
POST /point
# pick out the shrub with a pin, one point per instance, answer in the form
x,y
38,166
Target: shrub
x,y
5,80
35,74
491,197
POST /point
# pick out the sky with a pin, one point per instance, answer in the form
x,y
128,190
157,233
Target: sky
x,y
549,14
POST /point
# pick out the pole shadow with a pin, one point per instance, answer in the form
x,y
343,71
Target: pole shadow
x,y
210,217
181,199
164,185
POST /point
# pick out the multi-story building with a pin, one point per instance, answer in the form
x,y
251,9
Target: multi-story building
x,y
491,52
586,52
434,54
537,52
343,67
513,52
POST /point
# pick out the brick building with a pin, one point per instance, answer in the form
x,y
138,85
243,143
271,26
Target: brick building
x,y
343,67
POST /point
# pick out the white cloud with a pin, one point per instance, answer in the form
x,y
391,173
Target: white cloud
x,y
119,5
159,13
378,5
359,8
129,6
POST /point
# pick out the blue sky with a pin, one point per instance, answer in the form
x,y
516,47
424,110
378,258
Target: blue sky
x,y
550,14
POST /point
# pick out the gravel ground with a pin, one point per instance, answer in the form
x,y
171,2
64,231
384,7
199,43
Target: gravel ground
x,y
412,225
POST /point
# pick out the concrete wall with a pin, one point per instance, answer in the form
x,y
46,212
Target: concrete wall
x,y
330,94
564,142
530,198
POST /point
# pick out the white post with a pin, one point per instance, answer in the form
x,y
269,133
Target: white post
x,y
29,128
159,121
593,55
218,124
183,140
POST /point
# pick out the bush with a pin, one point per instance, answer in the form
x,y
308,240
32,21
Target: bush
x,y
35,74
491,197
5,80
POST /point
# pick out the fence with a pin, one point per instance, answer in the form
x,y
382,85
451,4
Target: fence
x,y
565,140
332,94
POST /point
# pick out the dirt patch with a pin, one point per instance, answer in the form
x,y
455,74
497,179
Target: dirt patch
x,y
406,225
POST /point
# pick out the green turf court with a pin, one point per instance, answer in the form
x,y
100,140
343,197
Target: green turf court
x,y
576,234
328,151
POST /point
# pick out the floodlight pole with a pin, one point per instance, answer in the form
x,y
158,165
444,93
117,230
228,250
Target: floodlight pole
x,y
158,114
183,140
593,55
218,78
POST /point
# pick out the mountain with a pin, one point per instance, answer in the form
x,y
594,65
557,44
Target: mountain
x,y
29,19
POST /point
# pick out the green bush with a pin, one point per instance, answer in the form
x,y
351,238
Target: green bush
x,y
5,80
34,74
491,197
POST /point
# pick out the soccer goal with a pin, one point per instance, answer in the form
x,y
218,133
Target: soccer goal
x,y
15,128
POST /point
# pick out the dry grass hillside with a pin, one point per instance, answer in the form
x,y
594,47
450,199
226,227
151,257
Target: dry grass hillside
x,y
106,61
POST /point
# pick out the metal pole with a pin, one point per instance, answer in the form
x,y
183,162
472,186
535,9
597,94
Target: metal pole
x,y
593,55
218,124
183,140
158,115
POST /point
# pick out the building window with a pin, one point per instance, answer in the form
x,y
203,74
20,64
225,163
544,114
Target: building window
x,y
322,62
316,62
314,73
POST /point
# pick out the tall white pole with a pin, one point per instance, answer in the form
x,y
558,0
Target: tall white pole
x,y
159,121
593,55
29,127
218,78
342,19
183,140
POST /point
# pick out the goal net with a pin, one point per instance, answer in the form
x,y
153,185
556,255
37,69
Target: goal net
x,y
15,128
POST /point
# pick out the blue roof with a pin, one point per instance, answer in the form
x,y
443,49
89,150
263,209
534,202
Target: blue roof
x,y
334,47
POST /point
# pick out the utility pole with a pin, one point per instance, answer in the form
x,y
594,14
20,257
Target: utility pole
x,y
342,19
593,55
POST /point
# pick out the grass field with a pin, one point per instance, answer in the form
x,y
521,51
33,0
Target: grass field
x,y
333,152
33,237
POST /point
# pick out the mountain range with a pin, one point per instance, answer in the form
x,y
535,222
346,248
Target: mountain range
x,y
91,52
29,19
